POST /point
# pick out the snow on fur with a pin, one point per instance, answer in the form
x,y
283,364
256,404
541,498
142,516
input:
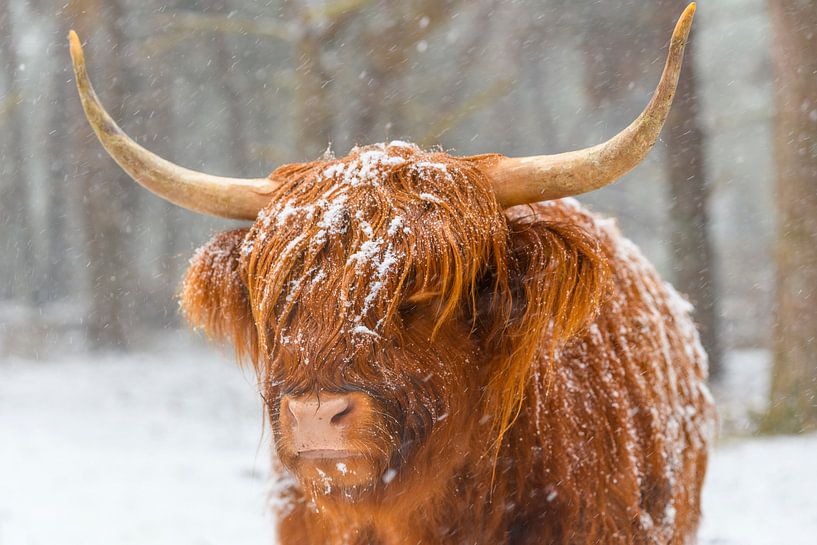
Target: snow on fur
x,y
393,271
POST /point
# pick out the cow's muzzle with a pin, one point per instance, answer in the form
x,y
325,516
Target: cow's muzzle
x,y
322,425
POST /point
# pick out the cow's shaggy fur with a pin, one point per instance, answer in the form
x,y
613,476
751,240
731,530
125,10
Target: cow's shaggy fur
x,y
534,380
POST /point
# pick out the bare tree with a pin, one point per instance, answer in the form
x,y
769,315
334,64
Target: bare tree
x,y
108,193
64,116
15,219
693,258
223,63
312,108
389,39
611,62
793,403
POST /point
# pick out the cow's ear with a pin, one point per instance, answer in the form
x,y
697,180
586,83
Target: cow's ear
x,y
557,274
214,297
555,280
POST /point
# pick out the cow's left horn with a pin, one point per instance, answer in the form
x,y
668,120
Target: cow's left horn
x,y
524,180
234,198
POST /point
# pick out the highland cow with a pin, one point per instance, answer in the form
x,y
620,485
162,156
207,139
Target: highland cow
x,y
451,351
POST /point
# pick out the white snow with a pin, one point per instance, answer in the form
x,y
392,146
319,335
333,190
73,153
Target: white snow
x,y
368,168
762,492
402,144
167,448
159,449
389,475
287,212
426,168
292,244
361,329
365,253
395,224
333,217
744,390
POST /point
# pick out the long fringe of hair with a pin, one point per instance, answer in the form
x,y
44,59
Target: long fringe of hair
x,y
347,244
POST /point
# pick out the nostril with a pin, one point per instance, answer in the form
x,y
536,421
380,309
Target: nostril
x,y
341,417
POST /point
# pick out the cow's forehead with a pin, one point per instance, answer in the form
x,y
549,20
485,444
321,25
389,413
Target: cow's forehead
x,y
350,238
331,206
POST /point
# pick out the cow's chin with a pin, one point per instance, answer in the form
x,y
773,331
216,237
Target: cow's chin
x,y
346,476
341,474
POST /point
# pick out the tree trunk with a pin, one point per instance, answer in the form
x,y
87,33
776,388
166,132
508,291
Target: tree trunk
x,y
693,258
793,403
233,100
15,219
108,193
56,276
312,109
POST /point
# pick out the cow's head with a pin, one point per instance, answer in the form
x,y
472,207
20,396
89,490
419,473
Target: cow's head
x,y
388,304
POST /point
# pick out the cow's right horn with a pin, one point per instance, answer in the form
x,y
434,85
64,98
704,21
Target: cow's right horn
x,y
234,198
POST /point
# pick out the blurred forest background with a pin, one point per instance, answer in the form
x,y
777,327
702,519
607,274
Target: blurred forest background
x,y
724,206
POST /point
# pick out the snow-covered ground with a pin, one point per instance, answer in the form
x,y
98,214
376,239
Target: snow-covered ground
x,y
158,449
762,492
168,448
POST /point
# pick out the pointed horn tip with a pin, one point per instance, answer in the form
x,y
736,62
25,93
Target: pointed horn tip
x,y
685,22
75,47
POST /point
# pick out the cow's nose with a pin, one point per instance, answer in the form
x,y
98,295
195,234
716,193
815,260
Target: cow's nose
x,y
319,425
327,410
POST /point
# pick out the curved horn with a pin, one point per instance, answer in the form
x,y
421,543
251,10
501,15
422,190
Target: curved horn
x,y
233,198
524,180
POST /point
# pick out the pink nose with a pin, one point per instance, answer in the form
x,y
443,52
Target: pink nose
x,y
328,409
320,423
